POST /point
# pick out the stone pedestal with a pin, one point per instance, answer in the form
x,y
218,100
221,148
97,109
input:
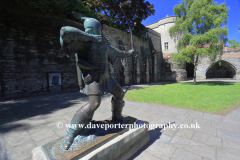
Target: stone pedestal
x,y
124,145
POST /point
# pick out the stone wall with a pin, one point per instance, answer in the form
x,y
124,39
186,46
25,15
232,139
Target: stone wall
x,y
162,26
144,61
169,70
230,60
30,52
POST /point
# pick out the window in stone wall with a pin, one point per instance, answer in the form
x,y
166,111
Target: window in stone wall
x,y
166,45
54,79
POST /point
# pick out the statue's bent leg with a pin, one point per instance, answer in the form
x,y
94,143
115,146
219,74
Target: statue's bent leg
x,y
117,103
82,117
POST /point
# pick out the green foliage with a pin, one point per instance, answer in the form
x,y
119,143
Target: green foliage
x,y
238,27
206,96
199,22
233,44
59,8
109,12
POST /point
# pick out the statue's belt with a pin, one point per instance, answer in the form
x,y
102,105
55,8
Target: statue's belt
x,y
101,67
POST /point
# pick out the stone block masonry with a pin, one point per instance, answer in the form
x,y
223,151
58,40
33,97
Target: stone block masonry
x,y
169,70
30,50
229,68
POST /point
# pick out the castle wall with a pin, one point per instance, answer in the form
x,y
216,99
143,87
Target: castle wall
x,y
30,55
169,70
232,58
162,27
156,58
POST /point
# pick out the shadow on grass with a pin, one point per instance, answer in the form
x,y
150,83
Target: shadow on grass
x,y
133,87
210,83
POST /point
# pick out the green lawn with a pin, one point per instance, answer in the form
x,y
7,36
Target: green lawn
x,y
206,96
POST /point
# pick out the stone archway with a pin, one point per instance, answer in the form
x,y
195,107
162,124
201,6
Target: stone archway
x,y
225,70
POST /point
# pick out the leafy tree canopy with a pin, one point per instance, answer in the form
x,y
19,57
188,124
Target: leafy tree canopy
x,y
60,8
233,44
199,22
106,11
109,12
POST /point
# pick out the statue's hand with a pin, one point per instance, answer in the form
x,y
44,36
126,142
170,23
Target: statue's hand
x,y
131,52
81,91
97,38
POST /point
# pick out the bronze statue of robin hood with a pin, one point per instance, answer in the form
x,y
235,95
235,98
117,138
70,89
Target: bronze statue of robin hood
x,y
93,54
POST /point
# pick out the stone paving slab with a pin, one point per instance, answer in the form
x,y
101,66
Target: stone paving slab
x,y
30,122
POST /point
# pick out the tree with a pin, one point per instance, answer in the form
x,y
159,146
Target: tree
x,y
199,22
22,9
233,44
238,27
109,12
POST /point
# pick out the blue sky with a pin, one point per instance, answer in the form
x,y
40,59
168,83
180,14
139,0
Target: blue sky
x,y
164,7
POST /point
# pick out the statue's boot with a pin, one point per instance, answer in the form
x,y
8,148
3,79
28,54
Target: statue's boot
x,y
117,108
78,123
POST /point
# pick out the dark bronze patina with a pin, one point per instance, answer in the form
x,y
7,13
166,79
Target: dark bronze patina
x,y
87,141
93,54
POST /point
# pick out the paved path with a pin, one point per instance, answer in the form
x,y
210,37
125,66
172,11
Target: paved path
x,y
30,122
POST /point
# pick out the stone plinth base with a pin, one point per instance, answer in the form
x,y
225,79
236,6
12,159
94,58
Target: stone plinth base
x,y
121,147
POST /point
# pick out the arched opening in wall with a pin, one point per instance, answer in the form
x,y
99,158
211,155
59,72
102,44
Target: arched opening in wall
x,y
225,70
190,70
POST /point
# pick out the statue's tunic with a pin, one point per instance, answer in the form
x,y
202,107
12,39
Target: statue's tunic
x,y
92,59
98,56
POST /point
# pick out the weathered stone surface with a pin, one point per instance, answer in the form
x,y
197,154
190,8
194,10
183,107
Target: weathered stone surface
x,y
29,56
202,122
181,154
146,156
212,117
204,151
121,147
223,155
187,133
233,136
163,139
230,60
2,149
231,144
180,140
202,144
207,139
20,152
41,134
167,150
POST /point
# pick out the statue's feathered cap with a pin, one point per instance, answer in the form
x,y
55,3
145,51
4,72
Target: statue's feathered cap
x,y
90,23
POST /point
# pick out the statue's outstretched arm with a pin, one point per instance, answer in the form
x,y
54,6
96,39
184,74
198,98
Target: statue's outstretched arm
x,y
114,53
69,34
123,54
